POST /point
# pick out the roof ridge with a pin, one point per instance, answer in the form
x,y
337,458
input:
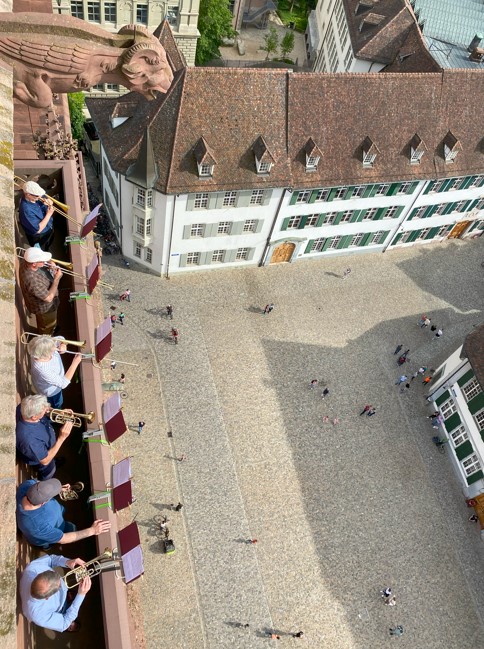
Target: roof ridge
x,y
182,80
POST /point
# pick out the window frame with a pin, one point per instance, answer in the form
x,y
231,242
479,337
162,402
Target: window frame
x,y
108,9
141,9
148,255
137,248
193,259
294,222
229,199
218,256
370,213
459,435
223,228
311,221
200,202
448,408
335,241
256,197
473,464
382,189
197,230
94,9
242,254
77,9
249,225
479,419
303,196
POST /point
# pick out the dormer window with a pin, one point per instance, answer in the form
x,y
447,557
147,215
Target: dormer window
x,y
364,5
263,157
370,151
452,146
312,162
313,155
204,158
417,149
372,20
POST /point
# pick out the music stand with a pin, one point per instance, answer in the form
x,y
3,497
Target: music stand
x,y
131,554
93,274
114,424
103,337
90,221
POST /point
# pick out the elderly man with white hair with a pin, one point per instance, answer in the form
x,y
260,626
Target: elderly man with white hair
x,y
36,440
39,281
36,216
48,374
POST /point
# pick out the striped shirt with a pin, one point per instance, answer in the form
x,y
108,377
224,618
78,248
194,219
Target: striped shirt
x,y
49,377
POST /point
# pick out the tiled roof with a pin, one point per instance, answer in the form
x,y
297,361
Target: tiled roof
x,y
231,108
413,55
174,55
473,350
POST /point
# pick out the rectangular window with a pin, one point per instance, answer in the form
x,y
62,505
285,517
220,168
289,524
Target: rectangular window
x,y
459,205
459,435
229,199
423,234
294,222
454,184
193,258
149,198
437,186
377,236
370,214
148,255
415,156
346,217
420,212
340,193
406,236
477,182
382,190
440,209
140,226
249,225
223,227
317,245
471,464
110,13
264,167
196,230
77,10
348,59
94,12
322,194
403,189
137,250
480,204
358,191
241,254
448,408
443,230
113,87
201,201
218,256
172,16
330,218
334,243
205,169
311,221
304,196
368,159
479,419
142,15
98,86
140,197
256,197
356,240
312,161
391,211
148,227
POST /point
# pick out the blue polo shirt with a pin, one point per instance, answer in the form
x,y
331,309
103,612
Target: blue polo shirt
x,y
34,440
31,214
42,526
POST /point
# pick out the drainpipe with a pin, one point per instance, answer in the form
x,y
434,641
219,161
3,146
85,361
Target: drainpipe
x,y
167,274
268,242
404,217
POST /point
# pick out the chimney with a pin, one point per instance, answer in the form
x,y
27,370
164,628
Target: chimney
x,y
476,41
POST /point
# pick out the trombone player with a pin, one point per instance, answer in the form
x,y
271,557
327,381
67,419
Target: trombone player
x,y
36,215
40,288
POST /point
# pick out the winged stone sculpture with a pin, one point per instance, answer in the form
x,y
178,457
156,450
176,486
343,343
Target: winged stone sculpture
x,y
52,53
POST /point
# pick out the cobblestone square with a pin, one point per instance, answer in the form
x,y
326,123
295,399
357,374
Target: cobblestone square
x,y
338,510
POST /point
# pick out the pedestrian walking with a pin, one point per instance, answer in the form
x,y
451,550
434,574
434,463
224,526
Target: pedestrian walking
x,y
422,320
325,419
251,541
371,412
405,387
386,592
397,631
126,295
175,334
335,421
182,457
397,350
274,636
179,507
325,393
121,317
299,634
426,322
391,601
122,378
268,308
141,425
439,333
426,380
347,272
414,375
313,384
474,518
169,311
401,360
434,415
433,328
113,365
365,409
113,319
402,379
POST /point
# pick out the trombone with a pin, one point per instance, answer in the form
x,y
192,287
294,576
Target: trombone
x,y
66,268
24,339
64,416
92,568
60,208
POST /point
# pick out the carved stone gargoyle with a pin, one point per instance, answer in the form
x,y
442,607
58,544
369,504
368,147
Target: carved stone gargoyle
x,y
57,53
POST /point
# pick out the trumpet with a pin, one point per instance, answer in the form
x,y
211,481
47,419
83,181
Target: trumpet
x,y
63,416
60,208
24,339
91,568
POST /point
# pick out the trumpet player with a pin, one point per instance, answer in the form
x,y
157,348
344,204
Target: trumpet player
x,y
36,216
36,441
44,594
48,374
40,517
40,288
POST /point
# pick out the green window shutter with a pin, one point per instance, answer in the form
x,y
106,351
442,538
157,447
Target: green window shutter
x,y
412,214
183,260
466,378
354,216
320,220
326,244
398,212
267,197
345,242
448,182
237,227
243,198
463,450
432,233
210,230
475,477
368,190
365,239
429,211
393,189
452,422
397,239
428,187
349,192
250,254
373,190
186,231
332,194
443,397
303,222
413,187
448,208
359,214
258,225
309,246
415,234
190,202
472,205
337,218
293,198
285,223
212,200
230,255
474,226
379,214
476,404
314,193
468,181
383,237
466,207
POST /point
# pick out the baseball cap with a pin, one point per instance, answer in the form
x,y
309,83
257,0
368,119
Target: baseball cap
x,y
36,254
41,492
33,188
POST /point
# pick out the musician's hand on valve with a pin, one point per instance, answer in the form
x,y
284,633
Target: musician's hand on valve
x,y
66,429
57,273
99,526
84,586
72,563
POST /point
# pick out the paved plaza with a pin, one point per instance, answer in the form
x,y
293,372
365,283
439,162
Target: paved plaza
x,y
339,511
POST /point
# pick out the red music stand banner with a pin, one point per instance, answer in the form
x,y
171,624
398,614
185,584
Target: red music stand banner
x,y
131,555
90,221
122,492
103,337
114,424
93,274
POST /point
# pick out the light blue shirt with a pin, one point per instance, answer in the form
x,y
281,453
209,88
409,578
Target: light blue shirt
x,y
50,613
48,377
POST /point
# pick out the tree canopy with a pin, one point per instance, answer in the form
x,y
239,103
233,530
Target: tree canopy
x,y
271,40
214,24
76,104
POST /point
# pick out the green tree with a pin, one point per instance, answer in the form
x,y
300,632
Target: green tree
x,y
76,104
287,44
214,24
271,41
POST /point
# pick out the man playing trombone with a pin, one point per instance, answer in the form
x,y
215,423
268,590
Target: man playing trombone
x,y
40,288
44,594
36,215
